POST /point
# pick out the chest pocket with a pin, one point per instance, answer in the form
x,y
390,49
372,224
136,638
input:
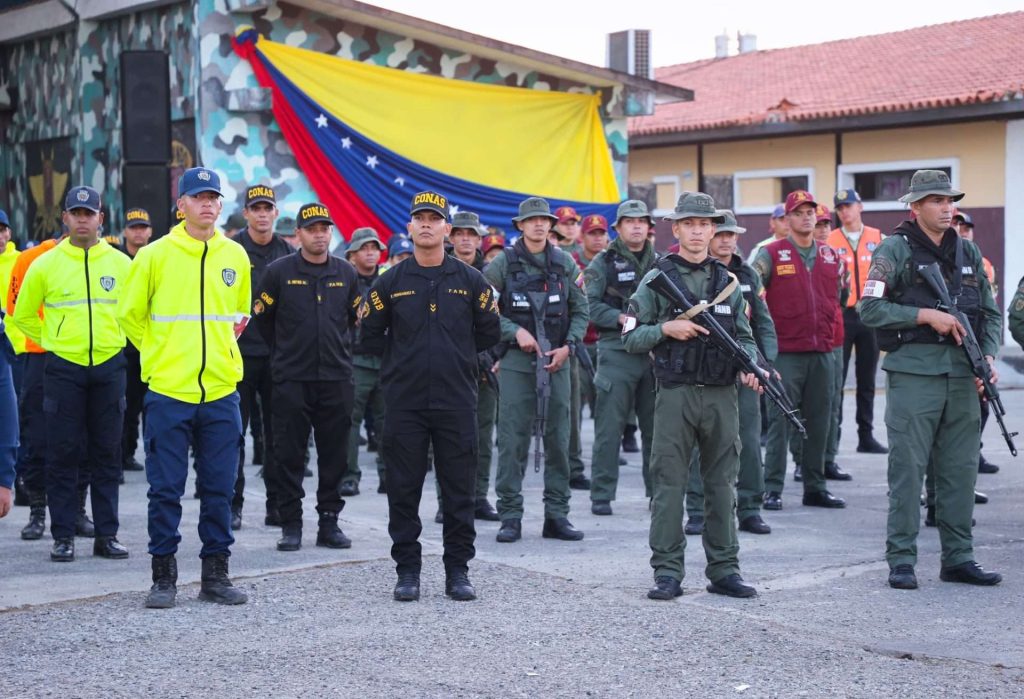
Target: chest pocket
x,y
455,310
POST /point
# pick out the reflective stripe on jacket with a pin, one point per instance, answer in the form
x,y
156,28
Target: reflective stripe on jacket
x,y
78,290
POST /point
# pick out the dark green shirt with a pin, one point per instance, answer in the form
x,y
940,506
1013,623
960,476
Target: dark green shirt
x,y
1017,314
605,316
891,265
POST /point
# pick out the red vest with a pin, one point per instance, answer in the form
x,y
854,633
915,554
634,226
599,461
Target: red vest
x,y
804,305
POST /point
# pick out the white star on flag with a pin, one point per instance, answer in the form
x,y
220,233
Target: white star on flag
x,y
346,143
321,122
454,209
400,181
371,161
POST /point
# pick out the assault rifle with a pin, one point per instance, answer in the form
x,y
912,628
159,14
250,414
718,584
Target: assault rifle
x,y
969,342
538,301
666,288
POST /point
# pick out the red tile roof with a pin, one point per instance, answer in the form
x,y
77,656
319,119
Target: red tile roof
x,y
943,65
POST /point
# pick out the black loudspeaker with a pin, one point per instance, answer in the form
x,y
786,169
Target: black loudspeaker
x,y
148,187
145,107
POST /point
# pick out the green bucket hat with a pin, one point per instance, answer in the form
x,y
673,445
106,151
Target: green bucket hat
x,y
695,205
362,236
469,221
925,182
729,225
534,206
633,208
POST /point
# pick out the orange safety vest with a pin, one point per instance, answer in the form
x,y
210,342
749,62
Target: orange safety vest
x,y
857,262
21,266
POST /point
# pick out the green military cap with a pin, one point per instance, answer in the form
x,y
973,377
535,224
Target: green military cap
x,y
633,208
235,221
285,227
729,225
534,206
469,221
362,236
925,182
695,205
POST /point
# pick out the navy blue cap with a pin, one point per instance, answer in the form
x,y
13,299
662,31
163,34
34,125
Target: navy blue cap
x,y
197,180
82,197
779,211
399,245
962,215
846,196
4,221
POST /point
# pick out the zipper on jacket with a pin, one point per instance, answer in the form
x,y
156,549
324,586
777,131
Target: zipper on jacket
x,y
88,302
202,320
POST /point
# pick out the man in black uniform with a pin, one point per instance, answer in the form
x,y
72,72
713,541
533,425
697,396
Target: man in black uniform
x,y
263,247
305,309
429,317
137,231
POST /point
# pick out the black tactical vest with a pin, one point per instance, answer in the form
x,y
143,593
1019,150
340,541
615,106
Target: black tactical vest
x,y
622,277
514,302
748,287
962,282
696,362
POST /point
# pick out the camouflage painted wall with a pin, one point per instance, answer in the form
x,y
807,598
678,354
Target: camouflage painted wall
x,y
69,86
40,70
248,147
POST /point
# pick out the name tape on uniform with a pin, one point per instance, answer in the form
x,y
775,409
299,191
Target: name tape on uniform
x,y
874,288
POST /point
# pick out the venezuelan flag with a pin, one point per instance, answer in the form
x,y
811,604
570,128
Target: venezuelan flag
x,y
369,137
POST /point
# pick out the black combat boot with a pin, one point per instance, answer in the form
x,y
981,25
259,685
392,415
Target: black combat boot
x,y
36,526
21,494
458,587
329,534
215,585
165,580
291,538
407,589
83,525
63,550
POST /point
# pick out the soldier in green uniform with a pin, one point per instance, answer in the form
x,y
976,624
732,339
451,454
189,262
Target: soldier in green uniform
x,y
932,408
750,484
519,274
623,380
696,403
364,253
1016,324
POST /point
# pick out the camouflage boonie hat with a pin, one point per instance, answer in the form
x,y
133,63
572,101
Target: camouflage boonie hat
x,y
695,205
362,236
633,208
469,221
729,224
534,206
925,182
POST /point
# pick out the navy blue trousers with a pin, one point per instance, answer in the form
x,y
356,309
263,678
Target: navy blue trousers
x,y
215,429
83,405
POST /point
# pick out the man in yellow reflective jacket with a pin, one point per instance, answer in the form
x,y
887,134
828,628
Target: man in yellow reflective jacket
x,y
184,305
77,285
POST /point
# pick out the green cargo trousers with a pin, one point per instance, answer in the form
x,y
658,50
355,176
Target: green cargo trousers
x,y
623,381
796,442
808,378
750,484
685,417
368,394
576,467
517,405
935,417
